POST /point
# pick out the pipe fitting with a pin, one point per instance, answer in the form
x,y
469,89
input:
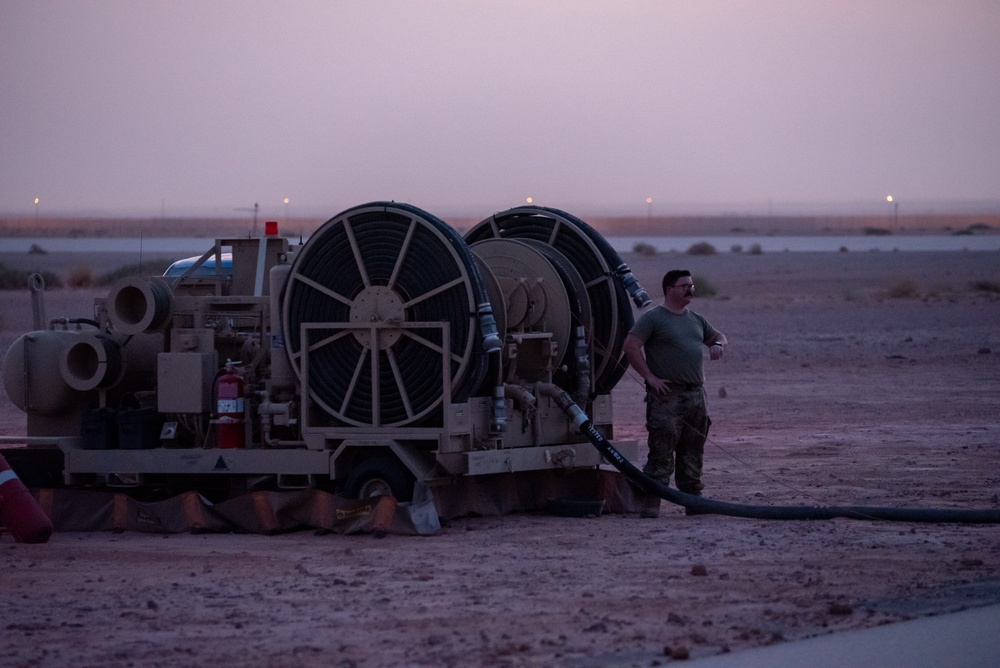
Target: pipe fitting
x,y
638,293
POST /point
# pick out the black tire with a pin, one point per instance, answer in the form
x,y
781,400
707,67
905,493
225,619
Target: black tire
x,y
378,476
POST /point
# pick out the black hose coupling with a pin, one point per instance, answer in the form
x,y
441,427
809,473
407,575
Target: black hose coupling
x,y
580,352
638,293
488,328
498,421
565,403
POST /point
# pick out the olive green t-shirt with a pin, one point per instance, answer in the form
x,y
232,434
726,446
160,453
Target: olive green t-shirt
x,y
673,344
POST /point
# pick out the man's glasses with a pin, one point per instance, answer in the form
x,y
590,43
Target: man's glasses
x,y
684,286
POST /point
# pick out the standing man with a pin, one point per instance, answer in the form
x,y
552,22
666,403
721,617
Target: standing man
x,y
665,346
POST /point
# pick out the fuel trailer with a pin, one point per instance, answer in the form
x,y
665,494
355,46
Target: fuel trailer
x,y
386,349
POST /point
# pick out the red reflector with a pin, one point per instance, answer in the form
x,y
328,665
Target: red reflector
x,y
271,228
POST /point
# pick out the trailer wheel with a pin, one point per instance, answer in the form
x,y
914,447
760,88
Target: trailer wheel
x,y
378,476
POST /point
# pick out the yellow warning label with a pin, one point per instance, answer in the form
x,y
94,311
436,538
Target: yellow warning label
x,y
356,512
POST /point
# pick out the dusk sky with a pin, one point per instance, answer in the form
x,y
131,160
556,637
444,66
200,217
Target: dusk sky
x,y
180,107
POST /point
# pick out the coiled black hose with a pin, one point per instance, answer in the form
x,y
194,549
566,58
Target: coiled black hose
x,y
702,505
349,254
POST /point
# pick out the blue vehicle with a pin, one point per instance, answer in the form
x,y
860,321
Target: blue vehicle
x,y
206,268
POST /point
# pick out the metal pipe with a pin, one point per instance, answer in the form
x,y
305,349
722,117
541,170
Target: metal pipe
x,y
36,283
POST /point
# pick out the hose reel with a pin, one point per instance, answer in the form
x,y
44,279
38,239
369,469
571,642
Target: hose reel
x,y
138,305
533,296
541,291
386,263
609,281
369,283
94,361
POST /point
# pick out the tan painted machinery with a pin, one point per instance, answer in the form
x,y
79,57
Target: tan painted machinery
x,y
384,350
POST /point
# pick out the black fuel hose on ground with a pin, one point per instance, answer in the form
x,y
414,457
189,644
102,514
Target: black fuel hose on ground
x,y
702,505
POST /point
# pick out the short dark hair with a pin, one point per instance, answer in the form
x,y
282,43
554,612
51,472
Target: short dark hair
x,y
671,277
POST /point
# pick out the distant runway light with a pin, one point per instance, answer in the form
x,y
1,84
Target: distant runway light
x,y
889,198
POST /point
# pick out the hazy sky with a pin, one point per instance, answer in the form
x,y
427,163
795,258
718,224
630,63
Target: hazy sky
x,y
451,105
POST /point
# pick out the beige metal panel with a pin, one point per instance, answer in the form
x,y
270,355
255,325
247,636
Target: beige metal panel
x,y
199,462
602,411
571,455
282,379
249,272
184,382
195,340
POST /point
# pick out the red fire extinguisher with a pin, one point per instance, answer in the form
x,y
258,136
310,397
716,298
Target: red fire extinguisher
x,y
230,428
19,511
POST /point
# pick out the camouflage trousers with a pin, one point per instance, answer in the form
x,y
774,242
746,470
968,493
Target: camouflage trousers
x,y
678,425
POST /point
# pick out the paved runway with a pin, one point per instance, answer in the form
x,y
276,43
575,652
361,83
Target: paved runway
x,y
967,639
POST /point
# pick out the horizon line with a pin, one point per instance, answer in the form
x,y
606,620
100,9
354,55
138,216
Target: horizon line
x,y
642,210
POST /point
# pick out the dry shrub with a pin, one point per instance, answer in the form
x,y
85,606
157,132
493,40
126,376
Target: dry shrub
x,y
941,292
17,279
704,287
154,267
643,248
80,277
903,289
755,249
986,286
701,248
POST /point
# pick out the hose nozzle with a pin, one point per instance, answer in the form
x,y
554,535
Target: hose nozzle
x,y
638,293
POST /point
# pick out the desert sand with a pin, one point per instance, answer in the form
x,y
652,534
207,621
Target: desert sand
x,y
851,379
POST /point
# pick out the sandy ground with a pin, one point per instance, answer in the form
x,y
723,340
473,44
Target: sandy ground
x,y
832,393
